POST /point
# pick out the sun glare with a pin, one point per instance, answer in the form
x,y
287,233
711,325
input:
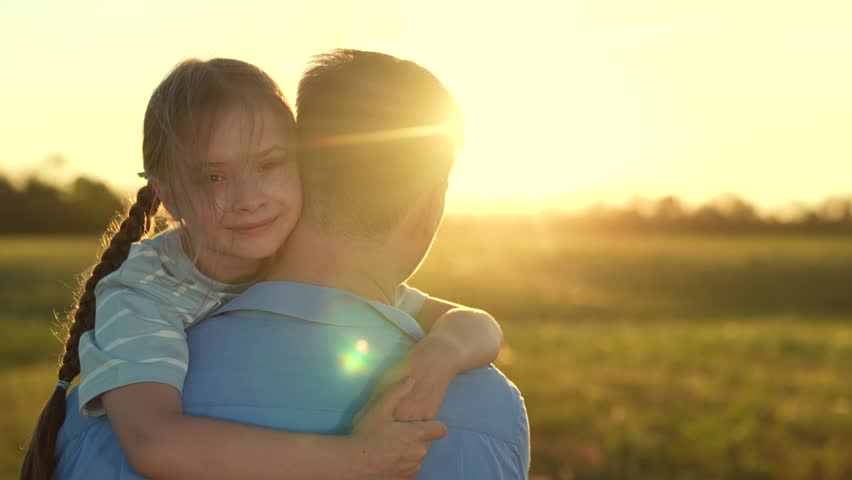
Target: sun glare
x,y
579,99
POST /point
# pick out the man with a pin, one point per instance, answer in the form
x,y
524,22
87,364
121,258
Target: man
x,y
378,145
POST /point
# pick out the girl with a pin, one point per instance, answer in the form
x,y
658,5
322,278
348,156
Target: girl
x,y
217,155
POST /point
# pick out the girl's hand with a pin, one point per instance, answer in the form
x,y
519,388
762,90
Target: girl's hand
x,y
433,363
386,449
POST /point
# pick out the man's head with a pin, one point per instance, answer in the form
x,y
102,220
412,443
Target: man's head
x,y
378,138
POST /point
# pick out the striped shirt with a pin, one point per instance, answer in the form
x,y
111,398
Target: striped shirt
x,y
142,312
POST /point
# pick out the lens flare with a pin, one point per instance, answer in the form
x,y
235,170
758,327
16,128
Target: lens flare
x,y
353,363
355,359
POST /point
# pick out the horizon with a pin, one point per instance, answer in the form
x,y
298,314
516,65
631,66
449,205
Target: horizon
x,y
575,203
564,105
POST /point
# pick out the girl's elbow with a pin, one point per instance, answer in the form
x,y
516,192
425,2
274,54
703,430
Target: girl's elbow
x,y
149,454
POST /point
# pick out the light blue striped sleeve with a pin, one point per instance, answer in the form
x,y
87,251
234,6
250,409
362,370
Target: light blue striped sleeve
x,y
138,337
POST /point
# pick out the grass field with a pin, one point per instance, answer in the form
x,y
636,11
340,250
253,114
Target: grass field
x,y
640,356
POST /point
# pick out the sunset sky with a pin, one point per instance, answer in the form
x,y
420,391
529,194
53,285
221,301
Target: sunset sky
x,y
571,101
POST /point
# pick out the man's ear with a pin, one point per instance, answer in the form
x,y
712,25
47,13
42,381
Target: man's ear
x,y
429,211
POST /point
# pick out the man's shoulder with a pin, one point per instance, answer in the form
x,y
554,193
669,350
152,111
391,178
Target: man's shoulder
x,y
320,305
484,400
488,429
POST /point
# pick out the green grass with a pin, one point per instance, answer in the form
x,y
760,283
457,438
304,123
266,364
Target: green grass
x,y
39,274
639,356
25,389
536,270
768,398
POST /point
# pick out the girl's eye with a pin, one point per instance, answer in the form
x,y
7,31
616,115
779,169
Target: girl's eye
x,y
213,178
269,165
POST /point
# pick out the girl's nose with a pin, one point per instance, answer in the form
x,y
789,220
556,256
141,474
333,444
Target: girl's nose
x,y
247,195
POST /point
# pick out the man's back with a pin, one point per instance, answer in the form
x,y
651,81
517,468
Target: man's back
x,y
314,355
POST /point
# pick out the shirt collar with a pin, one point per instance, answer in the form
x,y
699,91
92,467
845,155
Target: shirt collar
x,y
326,305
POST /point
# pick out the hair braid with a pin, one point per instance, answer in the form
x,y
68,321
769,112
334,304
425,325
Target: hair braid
x,y
39,461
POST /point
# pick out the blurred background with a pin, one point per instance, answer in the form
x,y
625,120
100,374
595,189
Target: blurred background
x,y
654,199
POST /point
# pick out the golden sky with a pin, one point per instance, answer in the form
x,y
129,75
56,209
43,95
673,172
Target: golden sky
x,y
578,101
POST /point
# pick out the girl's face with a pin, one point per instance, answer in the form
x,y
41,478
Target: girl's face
x,y
247,198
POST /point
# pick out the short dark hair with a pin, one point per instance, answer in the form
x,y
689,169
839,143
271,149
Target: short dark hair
x,y
376,131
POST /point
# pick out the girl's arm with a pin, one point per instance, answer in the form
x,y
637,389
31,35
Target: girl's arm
x,y
458,339
473,334
163,443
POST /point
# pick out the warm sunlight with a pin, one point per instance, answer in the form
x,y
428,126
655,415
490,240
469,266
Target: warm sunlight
x,y
637,267
570,102
612,99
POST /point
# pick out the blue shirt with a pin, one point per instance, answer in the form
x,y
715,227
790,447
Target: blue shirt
x,y
304,358
143,310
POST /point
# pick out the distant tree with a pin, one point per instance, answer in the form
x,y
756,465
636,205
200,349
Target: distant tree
x,y
707,217
6,187
93,204
83,206
669,209
8,202
41,209
836,210
735,209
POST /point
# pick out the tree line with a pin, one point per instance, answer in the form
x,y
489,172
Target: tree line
x,y
728,213
37,207
85,205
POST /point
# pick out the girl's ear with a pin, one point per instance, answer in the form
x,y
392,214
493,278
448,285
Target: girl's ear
x,y
164,194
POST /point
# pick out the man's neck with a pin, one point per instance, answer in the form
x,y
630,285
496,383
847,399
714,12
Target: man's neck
x,y
316,258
